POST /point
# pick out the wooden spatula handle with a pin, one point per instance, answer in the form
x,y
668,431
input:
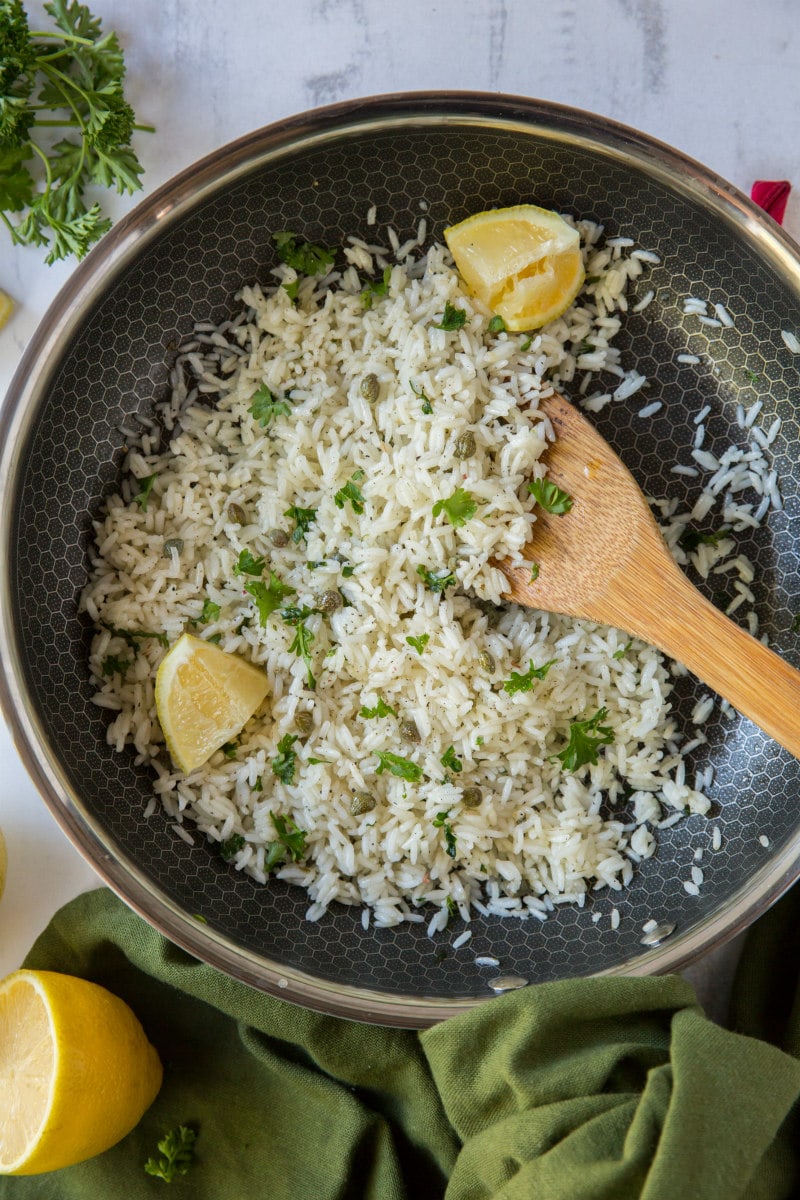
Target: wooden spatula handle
x,y
683,623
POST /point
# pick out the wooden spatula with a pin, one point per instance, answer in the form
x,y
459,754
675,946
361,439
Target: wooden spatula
x,y
606,560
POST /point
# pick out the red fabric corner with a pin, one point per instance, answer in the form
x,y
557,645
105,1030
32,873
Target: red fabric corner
x,y
772,195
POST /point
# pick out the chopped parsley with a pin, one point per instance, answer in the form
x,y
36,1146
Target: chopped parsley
x,y
176,1154
209,612
286,761
550,496
450,761
453,318
376,288
381,709
427,407
114,666
524,683
452,907
497,325
229,749
752,376
459,509
291,839
231,846
303,637
214,638
585,739
440,821
258,786
348,570
690,539
249,564
525,344
403,768
351,492
132,636
143,495
534,571
269,596
303,518
265,406
305,257
436,582
419,643
623,650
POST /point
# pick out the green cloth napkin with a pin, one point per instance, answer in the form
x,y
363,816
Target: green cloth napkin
x,y
592,1088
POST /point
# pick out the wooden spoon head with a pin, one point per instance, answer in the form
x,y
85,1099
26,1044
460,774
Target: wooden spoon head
x,y
587,558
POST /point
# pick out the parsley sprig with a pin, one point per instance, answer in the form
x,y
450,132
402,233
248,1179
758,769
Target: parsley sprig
x,y
440,821
453,318
265,405
402,768
303,637
381,709
352,493
305,257
585,739
285,762
550,496
291,841
268,596
524,683
69,78
176,1153
459,508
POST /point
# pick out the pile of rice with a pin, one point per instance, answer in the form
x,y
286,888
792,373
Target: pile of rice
x,y
541,834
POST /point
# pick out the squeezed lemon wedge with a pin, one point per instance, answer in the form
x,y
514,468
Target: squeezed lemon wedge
x,y
76,1071
524,263
204,698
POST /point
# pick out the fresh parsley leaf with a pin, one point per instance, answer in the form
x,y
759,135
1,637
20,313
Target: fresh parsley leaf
x,y
497,325
453,318
419,643
347,571
351,492
534,572
292,288
551,497
303,518
72,79
449,760
143,495
269,596
440,821
176,1154
524,683
690,539
376,288
231,846
403,768
248,564
752,376
381,709
292,839
285,763
114,666
622,650
436,582
305,257
265,406
209,612
585,739
459,509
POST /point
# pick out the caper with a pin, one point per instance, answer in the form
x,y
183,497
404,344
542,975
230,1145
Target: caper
x,y
486,662
237,514
465,445
171,544
362,802
471,797
409,731
304,722
370,388
278,537
328,602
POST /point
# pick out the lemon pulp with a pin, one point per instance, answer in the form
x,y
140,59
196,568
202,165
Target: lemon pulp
x,y
204,698
524,262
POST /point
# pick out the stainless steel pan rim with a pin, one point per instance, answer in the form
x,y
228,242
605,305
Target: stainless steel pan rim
x,y
97,273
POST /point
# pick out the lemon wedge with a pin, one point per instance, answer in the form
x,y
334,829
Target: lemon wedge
x,y
204,698
76,1071
524,263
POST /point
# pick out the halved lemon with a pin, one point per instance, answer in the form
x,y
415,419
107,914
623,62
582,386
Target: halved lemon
x,y
76,1071
524,263
204,698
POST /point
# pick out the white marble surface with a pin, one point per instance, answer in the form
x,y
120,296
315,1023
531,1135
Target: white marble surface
x,y
716,78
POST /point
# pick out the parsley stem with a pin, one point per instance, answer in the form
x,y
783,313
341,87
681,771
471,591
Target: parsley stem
x,y
61,37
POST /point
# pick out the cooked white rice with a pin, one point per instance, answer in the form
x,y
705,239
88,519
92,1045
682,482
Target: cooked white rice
x,y
541,834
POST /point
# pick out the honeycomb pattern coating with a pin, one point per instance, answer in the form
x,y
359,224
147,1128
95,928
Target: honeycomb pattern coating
x,y
119,364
